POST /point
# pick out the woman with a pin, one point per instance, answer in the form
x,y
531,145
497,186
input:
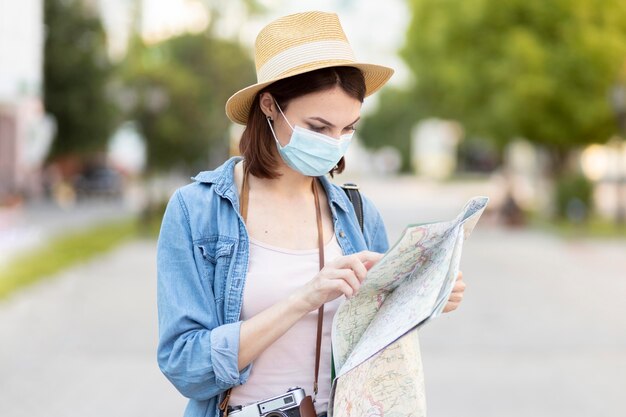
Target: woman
x,y
240,249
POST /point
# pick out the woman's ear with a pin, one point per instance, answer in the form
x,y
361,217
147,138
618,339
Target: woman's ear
x,y
268,105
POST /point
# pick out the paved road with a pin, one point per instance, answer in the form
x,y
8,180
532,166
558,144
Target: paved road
x,y
542,331
83,344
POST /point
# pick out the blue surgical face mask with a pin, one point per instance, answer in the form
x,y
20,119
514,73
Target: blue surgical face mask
x,y
311,153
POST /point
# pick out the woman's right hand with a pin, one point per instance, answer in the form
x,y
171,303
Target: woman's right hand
x,y
343,275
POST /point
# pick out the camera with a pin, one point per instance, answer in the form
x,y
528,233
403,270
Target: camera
x,y
284,405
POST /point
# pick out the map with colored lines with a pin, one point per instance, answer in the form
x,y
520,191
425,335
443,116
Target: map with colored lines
x,y
377,327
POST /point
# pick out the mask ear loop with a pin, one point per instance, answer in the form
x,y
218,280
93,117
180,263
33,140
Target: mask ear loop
x,y
269,122
281,112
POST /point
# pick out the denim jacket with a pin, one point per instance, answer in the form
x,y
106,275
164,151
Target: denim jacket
x,y
202,261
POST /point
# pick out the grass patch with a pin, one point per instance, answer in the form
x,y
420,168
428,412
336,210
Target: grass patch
x,y
150,219
595,227
64,251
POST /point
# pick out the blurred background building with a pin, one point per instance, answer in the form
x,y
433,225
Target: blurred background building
x,y
25,130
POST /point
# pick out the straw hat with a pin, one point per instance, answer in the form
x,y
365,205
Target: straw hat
x,y
296,44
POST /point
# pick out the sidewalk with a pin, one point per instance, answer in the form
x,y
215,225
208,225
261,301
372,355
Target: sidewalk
x,y
541,331
84,343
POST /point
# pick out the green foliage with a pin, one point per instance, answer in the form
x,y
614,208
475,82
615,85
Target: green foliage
x,y
391,124
181,86
574,197
536,69
63,252
76,74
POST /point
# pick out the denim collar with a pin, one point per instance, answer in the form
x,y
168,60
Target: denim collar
x,y
223,179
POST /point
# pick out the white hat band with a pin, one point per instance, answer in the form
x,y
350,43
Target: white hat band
x,y
304,54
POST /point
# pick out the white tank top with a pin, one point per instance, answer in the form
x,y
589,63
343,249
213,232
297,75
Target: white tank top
x,y
273,274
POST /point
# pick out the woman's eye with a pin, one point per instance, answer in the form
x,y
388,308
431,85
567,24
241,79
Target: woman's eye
x,y
317,128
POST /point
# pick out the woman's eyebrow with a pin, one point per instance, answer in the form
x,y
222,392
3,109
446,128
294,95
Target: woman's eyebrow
x,y
326,122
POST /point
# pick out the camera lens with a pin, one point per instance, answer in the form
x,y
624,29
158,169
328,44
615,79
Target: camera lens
x,y
276,414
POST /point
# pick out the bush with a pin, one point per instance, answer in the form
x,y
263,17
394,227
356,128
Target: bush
x,y
574,198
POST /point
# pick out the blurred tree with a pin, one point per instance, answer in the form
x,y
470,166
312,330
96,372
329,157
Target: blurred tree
x,y
391,124
534,69
180,87
77,71
574,197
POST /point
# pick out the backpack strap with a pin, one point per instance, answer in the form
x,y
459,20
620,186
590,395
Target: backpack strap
x,y
352,191
354,195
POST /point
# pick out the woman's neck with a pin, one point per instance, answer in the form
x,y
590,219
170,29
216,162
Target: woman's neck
x,y
288,183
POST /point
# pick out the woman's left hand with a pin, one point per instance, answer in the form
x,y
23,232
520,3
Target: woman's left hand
x,y
457,294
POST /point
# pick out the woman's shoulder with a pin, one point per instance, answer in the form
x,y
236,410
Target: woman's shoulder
x,y
340,196
207,206
209,184
373,227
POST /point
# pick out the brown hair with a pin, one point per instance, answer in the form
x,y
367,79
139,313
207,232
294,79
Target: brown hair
x,y
257,144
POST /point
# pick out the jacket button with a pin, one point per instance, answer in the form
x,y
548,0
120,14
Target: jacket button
x,y
342,234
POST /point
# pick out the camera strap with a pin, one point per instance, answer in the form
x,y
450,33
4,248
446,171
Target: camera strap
x,y
244,197
320,314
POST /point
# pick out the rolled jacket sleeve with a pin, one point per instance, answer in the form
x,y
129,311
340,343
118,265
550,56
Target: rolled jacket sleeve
x,y
196,353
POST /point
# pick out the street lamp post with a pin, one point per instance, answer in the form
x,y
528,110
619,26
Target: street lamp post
x,y
618,100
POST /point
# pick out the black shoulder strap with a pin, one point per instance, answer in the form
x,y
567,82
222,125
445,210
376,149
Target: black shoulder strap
x,y
352,191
